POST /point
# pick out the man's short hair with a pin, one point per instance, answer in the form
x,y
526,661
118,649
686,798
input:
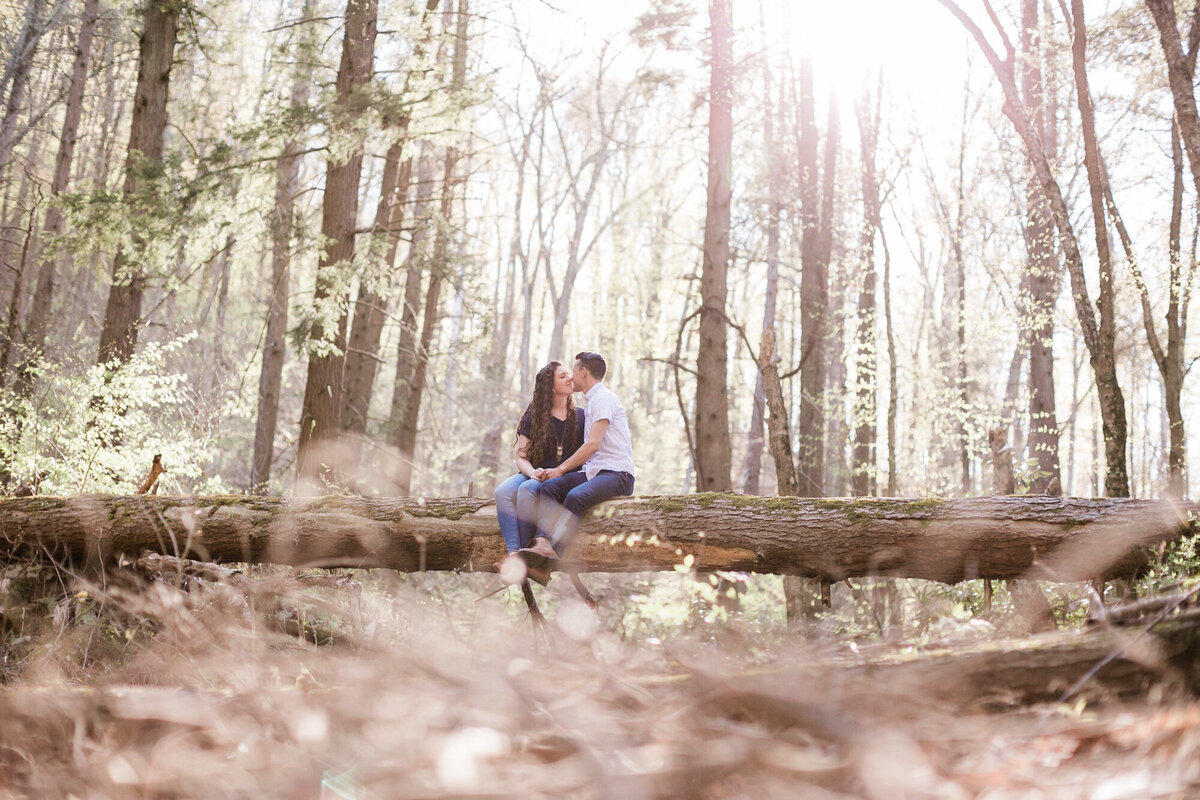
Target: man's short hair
x,y
593,363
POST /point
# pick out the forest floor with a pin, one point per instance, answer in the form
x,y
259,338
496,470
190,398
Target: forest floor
x,y
379,685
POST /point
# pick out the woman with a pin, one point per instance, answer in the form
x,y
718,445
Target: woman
x,y
550,432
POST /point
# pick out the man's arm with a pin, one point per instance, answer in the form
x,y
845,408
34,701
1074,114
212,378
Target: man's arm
x,y
585,451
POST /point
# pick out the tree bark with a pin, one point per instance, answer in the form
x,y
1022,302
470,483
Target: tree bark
x,y
816,211
863,478
995,537
319,419
960,318
803,599
1003,482
1186,128
283,222
414,269
38,321
1171,363
779,435
1180,69
1114,420
893,479
821,315
156,51
774,214
406,436
713,449
362,354
1097,337
21,61
1111,660
1041,271
837,437
12,330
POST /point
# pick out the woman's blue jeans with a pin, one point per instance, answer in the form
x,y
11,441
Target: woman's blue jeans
x,y
517,510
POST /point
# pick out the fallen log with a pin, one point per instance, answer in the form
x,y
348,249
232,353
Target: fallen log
x,y
1114,660
1061,539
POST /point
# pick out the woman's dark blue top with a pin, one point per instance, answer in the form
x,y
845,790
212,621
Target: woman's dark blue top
x,y
570,441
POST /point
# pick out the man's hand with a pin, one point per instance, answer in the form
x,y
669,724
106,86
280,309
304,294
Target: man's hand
x,y
551,473
539,474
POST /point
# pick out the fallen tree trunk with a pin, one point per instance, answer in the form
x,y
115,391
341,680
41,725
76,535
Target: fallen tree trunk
x,y
991,537
898,688
1052,666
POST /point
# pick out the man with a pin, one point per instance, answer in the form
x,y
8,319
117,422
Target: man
x,y
607,459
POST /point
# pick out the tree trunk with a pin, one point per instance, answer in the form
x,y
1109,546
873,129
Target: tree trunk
x,y
1097,337
1106,378
815,247
822,318
406,438
19,231
996,537
362,355
713,450
1108,661
38,321
21,62
1003,482
22,222
1172,364
156,51
837,472
222,293
319,419
12,332
960,326
283,222
489,451
893,372
414,268
779,431
457,314
774,213
1186,128
865,356
1180,69
803,599
1041,271
103,118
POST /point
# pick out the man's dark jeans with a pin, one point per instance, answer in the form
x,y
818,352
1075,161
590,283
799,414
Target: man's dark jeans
x,y
573,494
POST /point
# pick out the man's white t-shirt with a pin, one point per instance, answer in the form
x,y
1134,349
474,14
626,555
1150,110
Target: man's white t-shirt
x,y
616,448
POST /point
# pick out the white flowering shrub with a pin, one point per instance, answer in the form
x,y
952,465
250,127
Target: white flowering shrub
x,y
96,430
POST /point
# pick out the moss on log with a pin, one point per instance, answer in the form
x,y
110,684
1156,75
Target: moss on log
x,y
1061,539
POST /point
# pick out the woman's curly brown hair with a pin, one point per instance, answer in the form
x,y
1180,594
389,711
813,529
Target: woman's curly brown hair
x,y
542,441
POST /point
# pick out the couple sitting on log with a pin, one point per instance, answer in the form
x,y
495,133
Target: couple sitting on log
x,y
569,459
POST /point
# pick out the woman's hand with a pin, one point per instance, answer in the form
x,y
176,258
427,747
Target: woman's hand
x,y
547,474
539,474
